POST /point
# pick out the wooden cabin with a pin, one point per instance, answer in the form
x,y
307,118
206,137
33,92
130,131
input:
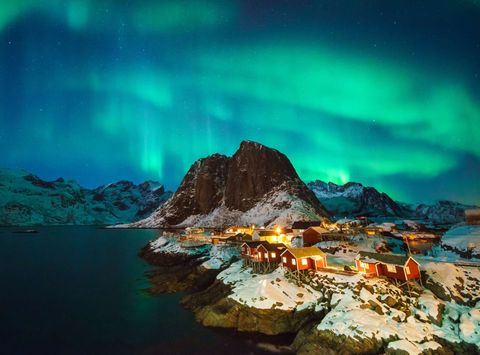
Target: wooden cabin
x,y
249,250
270,252
301,226
398,267
308,258
313,235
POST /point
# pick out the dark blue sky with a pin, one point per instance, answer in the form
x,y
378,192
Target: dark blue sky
x,y
383,93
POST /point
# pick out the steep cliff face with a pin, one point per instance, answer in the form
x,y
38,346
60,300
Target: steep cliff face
x,y
256,185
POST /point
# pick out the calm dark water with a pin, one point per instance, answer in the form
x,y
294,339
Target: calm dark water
x,y
79,290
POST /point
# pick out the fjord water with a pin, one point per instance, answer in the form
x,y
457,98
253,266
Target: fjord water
x,y
80,290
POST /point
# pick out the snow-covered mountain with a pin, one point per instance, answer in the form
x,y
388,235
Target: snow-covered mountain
x,y
354,199
257,185
25,199
441,212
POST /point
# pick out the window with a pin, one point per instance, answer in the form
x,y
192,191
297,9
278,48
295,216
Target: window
x,y
284,260
391,268
304,262
266,255
363,265
294,262
274,255
407,269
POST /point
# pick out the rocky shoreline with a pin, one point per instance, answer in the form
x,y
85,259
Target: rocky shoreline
x,y
217,298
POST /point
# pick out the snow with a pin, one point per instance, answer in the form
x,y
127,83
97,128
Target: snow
x,y
413,348
463,237
267,290
278,207
470,325
26,199
460,283
220,255
429,304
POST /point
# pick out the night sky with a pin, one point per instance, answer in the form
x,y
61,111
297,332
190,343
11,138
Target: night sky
x,y
386,93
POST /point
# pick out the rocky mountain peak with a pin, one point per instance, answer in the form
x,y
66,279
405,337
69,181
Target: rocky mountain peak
x,y
236,184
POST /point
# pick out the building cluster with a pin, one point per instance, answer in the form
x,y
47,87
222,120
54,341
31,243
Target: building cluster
x,y
263,256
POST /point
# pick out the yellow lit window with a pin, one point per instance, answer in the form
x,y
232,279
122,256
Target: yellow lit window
x,y
284,260
391,268
294,262
363,265
274,255
407,269
304,262
266,255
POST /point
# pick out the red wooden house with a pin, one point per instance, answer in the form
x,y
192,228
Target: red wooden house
x,y
249,250
309,258
313,235
398,267
270,252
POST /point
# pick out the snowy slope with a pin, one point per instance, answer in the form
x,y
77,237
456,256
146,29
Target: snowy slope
x,y
25,199
463,238
354,199
276,208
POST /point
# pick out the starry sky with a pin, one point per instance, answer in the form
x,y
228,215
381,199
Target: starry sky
x,y
382,93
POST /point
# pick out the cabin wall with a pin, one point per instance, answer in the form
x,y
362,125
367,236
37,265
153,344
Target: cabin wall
x,y
370,269
289,258
414,270
311,237
398,274
320,263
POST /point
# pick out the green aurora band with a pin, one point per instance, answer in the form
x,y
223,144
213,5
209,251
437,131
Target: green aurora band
x,y
153,86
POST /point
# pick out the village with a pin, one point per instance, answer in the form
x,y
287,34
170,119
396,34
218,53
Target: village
x,y
351,278
309,246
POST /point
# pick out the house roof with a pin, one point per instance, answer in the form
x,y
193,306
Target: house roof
x,y
305,252
305,224
319,230
254,244
273,246
400,260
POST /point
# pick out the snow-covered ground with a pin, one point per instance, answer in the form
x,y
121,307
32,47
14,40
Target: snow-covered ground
x,y
265,291
463,237
364,307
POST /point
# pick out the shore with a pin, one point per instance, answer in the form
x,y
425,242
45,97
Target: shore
x,y
328,312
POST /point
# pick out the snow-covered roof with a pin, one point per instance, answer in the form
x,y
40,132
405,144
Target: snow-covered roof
x,y
393,259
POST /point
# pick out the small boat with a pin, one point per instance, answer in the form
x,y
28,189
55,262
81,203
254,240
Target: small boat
x,y
26,231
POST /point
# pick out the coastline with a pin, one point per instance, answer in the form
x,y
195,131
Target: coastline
x,y
319,311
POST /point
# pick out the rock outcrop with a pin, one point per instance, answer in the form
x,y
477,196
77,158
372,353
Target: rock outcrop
x,y
257,185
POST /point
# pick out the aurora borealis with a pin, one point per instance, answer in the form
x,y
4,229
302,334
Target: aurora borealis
x,y
384,94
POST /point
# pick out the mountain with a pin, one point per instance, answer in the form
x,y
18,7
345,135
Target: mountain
x,y
25,199
441,212
257,185
354,199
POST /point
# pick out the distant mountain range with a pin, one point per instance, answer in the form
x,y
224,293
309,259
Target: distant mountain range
x,y
25,199
354,199
257,185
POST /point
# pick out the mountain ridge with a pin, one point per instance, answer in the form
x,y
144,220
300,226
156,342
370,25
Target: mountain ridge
x,y
26,199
